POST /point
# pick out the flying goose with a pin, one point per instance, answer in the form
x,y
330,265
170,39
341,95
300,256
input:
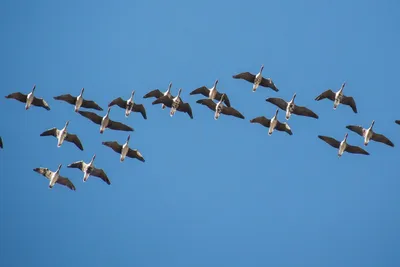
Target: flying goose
x,y
62,135
343,146
291,108
88,169
175,104
124,150
78,101
398,121
157,94
105,121
211,93
256,80
369,134
273,124
55,177
29,99
338,98
1,143
129,105
220,108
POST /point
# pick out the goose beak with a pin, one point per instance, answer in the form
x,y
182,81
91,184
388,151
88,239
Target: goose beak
x,y
66,124
372,124
108,110
34,87
276,112
129,137
83,89
180,91
94,156
294,96
345,137
133,92
59,167
262,67
170,85
216,82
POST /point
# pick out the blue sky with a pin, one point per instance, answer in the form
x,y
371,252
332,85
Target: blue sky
x,y
211,193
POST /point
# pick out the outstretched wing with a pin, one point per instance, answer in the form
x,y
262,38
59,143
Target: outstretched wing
x,y
119,102
201,90
90,104
155,93
18,96
327,94
284,127
114,145
185,107
232,112
52,131
166,100
101,174
134,153
348,100
140,108
40,102
279,102
67,98
91,116
115,125
357,129
245,76
226,99
261,120
73,138
207,102
355,150
66,182
382,139
77,165
303,111
333,142
268,83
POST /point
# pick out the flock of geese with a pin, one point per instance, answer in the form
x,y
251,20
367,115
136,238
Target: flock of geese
x,y
216,101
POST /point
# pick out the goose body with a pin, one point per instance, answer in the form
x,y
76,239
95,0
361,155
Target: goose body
x,y
63,135
291,108
105,121
78,101
129,106
257,80
124,150
29,99
338,98
219,108
273,124
211,93
55,177
368,134
89,169
397,121
176,104
343,145
158,94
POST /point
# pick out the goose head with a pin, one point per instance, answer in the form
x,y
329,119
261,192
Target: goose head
x,y
82,90
179,92
58,169
66,125
132,94
169,87
262,67
294,96
215,83
222,99
372,124
127,139
93,158
276,113
345,137
108,111
342,87
34,87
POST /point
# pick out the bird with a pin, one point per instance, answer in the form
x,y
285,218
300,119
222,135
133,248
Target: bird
x,y
175,104
78,101
124,150
55,177
220,108
257,80
129,105
88,169
211,93
397,121
338,98
343,145
105,121
369,134
273,124
62,135
29,99
1,143
157,94
291,108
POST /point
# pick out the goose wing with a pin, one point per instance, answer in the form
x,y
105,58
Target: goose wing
x,y
357,129
66,182
91,104
245,76
91,116
140,108
1,143
115,125
331,141
232,112
327,94
77,165
207,102
283,127
397,121
119,102
43,171
73,138
268,83
52,131
134,153
40,102
279,102
355,150
201,90
166,100
101,174
114,145
185,107
18,96
67,98
261,120
382,139
303,111
155,93
226,99
348,100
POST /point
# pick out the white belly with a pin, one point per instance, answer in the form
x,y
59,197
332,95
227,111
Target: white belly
x,y
53,180
342,148
257,81
212,94
272,126
29,100
104,123
61,139
124,151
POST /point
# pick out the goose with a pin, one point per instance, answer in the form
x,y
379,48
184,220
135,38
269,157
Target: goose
x,y
124,150
157,94
220,108
88,169
211,93
175,104
369,134
55,177
78,101
398,121
105,121
129,105
256,80
343,146
62,135
338,98
273,124
29,99
1,143
291,108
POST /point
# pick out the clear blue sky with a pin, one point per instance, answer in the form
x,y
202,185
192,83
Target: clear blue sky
x,y
211,193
